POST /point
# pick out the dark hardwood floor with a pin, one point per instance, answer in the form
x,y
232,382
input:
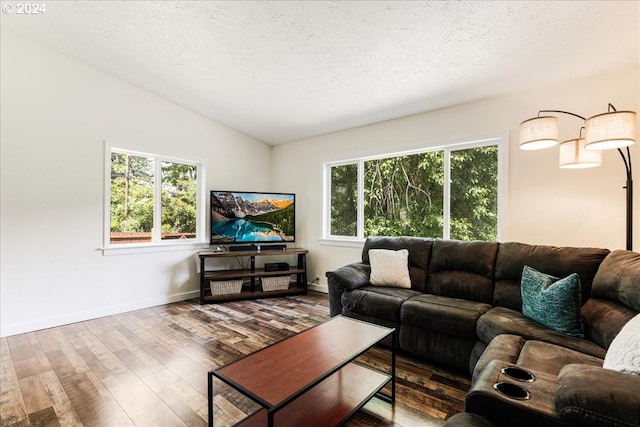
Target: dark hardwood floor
x,y
149,368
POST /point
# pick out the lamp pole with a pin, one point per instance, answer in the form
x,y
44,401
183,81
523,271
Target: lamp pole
x,y
629,188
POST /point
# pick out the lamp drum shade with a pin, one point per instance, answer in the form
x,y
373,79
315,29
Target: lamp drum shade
x,y
573,155
539,133
606,131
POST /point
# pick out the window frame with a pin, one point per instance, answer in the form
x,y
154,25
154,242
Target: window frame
x,y
157,244
503,155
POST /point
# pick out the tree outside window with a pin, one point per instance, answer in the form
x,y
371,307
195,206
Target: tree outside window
x,y
405,195
146,190
344,200
179,193
474,194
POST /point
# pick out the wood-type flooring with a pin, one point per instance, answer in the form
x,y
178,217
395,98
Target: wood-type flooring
x,y
149,368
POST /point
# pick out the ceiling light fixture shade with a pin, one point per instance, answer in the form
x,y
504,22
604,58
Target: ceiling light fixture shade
x,y
574,156
610,130
539,133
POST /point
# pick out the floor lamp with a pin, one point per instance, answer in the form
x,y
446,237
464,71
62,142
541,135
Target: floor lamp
x,y
611,130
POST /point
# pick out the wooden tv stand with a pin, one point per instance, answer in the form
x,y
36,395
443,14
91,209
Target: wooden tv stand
x,y
251,289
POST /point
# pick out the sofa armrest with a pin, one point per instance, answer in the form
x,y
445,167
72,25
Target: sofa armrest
x,y
504,347
345,278
351,276
592,396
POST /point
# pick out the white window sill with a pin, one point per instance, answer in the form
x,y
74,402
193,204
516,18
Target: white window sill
x,y
351,242
128,249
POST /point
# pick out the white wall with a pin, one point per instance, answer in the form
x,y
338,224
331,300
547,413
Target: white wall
x,y
546,205
55,115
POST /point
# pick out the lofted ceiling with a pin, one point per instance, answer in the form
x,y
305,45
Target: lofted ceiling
x,y
282,71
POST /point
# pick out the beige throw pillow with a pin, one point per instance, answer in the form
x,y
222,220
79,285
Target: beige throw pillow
x,y
624,352
389,268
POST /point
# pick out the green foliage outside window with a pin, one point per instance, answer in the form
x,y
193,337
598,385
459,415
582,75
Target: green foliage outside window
x,y
344,200
131,193
404,195
474,194
178,198
132,201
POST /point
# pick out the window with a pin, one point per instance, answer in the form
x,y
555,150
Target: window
x,y
450,192
473,194
344,200
152,200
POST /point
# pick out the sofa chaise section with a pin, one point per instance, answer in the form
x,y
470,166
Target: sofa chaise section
x,y
585,393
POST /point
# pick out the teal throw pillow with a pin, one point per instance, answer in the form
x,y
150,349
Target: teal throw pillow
x,y
553,302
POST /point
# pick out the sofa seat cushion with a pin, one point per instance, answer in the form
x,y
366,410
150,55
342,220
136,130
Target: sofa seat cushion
x,y
377,301
550,358
502,320
453,351
451,316
533,355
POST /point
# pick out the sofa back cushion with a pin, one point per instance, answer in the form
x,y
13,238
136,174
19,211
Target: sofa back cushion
x,y
618,279
615,297
603,319
419,254
462,269
552,260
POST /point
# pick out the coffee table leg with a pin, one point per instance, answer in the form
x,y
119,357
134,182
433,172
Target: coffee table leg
x,y
393,366
391,397
210,395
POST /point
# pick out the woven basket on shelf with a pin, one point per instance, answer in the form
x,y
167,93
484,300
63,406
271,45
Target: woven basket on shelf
x,y
222,287
275,283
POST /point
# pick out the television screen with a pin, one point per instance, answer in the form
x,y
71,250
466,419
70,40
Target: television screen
x,y
251,217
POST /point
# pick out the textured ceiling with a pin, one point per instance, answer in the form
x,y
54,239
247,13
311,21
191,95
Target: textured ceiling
x,y
286,70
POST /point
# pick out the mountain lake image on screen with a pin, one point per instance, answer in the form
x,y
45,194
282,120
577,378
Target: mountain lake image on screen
x,y
251,217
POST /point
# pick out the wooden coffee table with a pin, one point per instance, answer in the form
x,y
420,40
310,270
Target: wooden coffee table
x,y
310,379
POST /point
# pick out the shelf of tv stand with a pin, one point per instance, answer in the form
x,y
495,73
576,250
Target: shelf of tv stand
x,y
232,274
250,291
245,295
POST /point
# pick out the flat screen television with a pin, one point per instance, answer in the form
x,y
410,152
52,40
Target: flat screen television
x,y
252,217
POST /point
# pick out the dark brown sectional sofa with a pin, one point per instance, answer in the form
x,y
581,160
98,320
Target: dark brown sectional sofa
x,y
464,310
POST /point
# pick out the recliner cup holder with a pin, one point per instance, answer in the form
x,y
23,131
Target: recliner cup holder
x,y
518,374
513,391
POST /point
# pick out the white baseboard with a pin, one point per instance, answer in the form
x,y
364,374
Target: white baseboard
x,y
319,288
51,322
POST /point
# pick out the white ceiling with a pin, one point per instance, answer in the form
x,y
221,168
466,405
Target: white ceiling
x,y
281,71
